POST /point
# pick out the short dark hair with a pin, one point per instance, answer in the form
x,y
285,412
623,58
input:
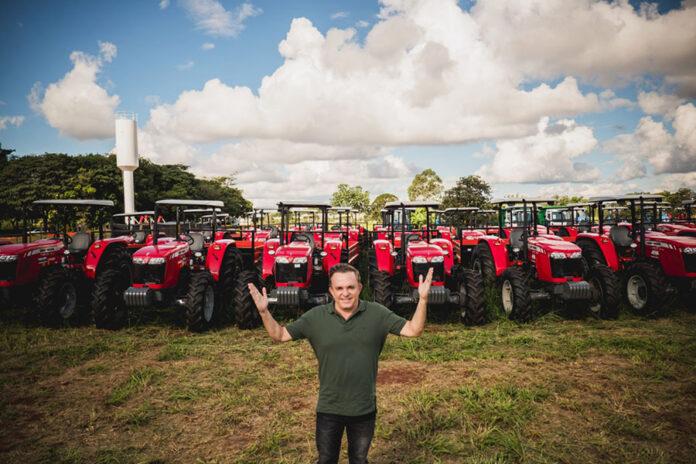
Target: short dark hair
x,y
342,268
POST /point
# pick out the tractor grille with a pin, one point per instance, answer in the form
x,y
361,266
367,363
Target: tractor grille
x,y
8,271
567,267
422,269
690,262
290,273
148,273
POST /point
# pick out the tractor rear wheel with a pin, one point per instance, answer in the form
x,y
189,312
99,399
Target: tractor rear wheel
x,y
200,302
591,253
225,288
646,288
517,303
380,283
246,314
608,288
482,262
56,298
471,304
108,306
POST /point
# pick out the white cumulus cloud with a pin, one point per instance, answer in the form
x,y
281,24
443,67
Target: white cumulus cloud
x,y
212,18
77,105
549,156
207,46
6,121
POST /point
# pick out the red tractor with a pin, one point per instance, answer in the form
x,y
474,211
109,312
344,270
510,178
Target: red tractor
x,y
350,233
185,269
653,265
68,270
296,264
680,223
532,265
402,257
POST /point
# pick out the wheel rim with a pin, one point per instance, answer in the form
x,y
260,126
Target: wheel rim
x,y
208,303
68,300
637,291
597,307
507,294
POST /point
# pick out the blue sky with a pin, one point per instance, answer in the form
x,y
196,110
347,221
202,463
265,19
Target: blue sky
x,y
597,128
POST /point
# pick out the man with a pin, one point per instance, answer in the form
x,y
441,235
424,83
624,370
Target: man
x,y
347,337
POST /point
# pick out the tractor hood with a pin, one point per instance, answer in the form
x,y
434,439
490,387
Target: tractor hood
x,y
426,250
553,245
166,250
40,246
678,241
294,250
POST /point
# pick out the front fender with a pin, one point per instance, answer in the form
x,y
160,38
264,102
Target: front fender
x,y
98,251
606,247
383,256
269,249
499,252
215,257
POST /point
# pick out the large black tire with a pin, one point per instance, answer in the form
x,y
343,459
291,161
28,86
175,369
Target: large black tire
x,y
113,279
517,303
482,262
608,287
56,298
471,302
591,253
646,289
225,288
200,302
380,283
246,314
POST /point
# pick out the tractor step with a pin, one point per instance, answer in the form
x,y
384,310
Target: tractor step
x,y
436,296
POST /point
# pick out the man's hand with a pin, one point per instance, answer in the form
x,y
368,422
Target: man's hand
x,y
424,285
260,299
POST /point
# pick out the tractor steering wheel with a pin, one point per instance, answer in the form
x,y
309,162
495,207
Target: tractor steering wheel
x,y
189,239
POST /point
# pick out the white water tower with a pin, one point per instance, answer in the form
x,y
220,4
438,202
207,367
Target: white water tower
x,y
127,155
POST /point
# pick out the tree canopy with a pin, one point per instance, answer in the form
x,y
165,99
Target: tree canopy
x,y
427,185
378,204
468,191
355,197
52,175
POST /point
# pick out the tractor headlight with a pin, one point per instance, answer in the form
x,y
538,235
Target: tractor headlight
x,y
576,255
437,259
8,258
419,260
690,250
282,259
558,255
156,260
300,260
271,252
138,260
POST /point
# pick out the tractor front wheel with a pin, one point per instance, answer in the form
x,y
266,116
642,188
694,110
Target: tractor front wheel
x,y
471,304
608,291
200,302
482,262
225,288
108,306
381,287
56,298
645,288
591,253
517,303
246,314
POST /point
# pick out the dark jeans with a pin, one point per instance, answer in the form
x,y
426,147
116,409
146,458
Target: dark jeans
x,y
330,432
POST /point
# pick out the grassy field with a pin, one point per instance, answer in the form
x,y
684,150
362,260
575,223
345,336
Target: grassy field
x,y
552,391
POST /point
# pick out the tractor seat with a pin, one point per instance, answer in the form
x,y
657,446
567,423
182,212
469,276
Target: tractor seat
x,y
80,243
274,232
412,238
208,236
563,232
139,237
584,228
621,236
516,238
302,237
335,228
198,241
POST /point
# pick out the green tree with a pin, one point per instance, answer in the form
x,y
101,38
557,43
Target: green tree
x,y
562,200
427,185
468,191
355,197
378,204
675,198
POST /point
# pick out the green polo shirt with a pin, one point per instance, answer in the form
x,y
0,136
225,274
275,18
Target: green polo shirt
x,y
347,351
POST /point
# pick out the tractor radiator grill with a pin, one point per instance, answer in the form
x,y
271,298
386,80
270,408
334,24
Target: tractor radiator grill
x,y
690,262
8,271
567,267
290,273
422,269
148,273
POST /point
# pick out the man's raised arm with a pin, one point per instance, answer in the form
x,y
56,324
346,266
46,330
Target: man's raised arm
x,y
415,327
276,331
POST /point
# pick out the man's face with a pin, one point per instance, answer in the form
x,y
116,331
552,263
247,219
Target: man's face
x,y
345,290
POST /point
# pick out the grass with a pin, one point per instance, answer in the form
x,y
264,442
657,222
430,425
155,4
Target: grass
x,y
554,390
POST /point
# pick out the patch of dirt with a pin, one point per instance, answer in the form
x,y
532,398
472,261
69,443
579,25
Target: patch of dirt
x,y
406,374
